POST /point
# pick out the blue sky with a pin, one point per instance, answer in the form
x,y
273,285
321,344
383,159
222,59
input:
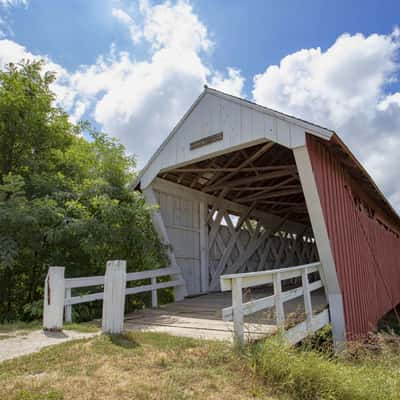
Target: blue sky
x,y
249,35
263,33
134,67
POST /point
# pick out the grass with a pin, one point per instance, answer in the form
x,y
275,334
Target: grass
x,y
363,372
132,366
84,327
19,326
162,367
5,336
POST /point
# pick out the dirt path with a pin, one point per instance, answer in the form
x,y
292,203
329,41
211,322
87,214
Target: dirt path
x,y
32,342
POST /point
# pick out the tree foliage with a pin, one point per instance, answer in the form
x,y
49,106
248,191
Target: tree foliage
x,y
64,200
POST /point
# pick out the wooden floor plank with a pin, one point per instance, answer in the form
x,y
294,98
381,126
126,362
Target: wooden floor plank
x,y
201,317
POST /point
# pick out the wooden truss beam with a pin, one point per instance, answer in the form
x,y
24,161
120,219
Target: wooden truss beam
x,y
221,202
255,244
247,161
230,161
282,193
230,169
260,194
251,179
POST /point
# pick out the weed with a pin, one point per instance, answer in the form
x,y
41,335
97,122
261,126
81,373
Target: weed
x,y
306,373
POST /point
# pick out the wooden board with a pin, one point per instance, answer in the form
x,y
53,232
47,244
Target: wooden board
x,y
201,317
181,219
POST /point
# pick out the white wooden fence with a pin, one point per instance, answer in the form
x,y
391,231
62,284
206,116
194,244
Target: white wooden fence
x,y
58,293
237,282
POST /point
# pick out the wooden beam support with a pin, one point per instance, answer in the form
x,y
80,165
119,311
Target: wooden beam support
x,y
268,189
204,273
279,193
328,270
230,169
247,161
233,207
250,179
230,161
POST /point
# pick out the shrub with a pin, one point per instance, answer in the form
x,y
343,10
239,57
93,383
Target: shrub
x,y
64,200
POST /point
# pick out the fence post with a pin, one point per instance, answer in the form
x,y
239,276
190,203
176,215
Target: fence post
x,y
54,292
280,313
307,299
114,297
68,307
154,298
237,301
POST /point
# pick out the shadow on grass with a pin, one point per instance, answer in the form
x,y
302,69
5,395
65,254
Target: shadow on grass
x,y
54,334
124,340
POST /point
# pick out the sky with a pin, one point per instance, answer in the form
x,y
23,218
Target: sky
x,y
133,68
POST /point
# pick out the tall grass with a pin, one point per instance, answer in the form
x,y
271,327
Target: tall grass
x,y
309,374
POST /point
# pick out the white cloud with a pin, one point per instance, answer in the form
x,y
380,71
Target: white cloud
x,y
126,19
12,52
139,101
5,6
174,26
121,15
232,84
344,88
79,110
13,3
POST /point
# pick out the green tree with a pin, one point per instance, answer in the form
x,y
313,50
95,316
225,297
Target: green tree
x,y
64,200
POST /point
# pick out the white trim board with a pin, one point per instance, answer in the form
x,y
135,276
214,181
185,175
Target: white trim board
x,y
329,273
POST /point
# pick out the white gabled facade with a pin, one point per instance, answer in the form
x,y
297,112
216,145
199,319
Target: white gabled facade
x,y
242,123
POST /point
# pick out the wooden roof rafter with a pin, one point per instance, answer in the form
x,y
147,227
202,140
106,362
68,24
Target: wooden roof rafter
x,y
247,161
251,179
264,176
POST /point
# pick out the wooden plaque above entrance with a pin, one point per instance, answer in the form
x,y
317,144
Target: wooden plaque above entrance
x,y
206,140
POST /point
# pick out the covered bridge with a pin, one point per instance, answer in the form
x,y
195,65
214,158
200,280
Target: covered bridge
x,y
243,189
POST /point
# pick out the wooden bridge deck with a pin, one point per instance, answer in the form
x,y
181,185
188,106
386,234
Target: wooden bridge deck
x,y
201,316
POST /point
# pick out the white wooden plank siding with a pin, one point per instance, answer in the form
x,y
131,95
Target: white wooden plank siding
x,y
182,221
179,291
242,124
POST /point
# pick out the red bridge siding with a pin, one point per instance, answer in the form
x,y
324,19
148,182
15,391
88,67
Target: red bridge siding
x,y
366,254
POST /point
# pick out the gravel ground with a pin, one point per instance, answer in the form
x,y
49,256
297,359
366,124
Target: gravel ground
x,y
32,342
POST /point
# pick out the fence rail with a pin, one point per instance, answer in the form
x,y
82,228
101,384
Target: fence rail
x,y
58,290
74,283
236,313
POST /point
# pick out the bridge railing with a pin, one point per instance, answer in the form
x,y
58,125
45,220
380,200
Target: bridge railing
x,y
58,292
239,309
